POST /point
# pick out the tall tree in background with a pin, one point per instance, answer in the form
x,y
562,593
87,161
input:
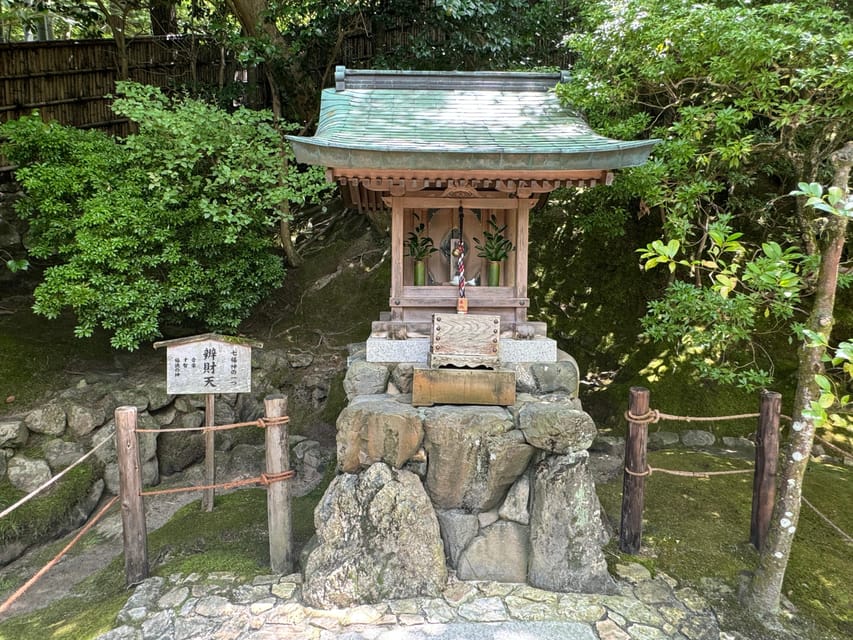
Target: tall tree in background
x,y
750,101
164,17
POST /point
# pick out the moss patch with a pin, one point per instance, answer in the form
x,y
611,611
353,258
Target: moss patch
x,y
35,520
37,353
694,529
233,537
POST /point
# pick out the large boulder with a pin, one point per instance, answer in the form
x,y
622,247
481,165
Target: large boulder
x,y
458,528
498,553
378,430
175,450
475,454
150,475
378,539
83,419
516,505
49,419
61,453
13,433
566,531
310,461
365,378
27,474
147,442
556,427
562,376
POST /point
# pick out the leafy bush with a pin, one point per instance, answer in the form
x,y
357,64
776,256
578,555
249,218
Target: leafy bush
x,y
171,225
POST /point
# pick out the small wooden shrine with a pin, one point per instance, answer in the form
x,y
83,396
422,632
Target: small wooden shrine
x,y
454,155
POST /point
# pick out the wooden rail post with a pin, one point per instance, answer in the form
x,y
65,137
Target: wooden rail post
x,y
209,454
766,464
130,486
278,493
633,486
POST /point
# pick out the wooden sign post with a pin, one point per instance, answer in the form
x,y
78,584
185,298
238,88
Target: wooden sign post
x,y
208,364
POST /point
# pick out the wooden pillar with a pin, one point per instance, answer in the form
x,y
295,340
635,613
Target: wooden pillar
x,y
766,463
134,531
209,453
278,493
633,486
397,227
521,252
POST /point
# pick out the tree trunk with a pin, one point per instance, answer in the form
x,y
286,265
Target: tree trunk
x,y
164,19
116,23
764,592
250,14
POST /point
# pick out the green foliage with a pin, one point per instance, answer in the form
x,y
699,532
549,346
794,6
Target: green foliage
x,y
495,246
736,130
171,226
419,246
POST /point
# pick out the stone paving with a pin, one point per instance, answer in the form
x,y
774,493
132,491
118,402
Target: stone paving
x,y
221,606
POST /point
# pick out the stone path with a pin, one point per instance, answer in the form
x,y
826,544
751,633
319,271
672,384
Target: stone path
x,y
221,606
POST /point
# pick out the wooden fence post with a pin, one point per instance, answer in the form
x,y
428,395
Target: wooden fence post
x,y
134,531
766,464
278,493
633,486
209,454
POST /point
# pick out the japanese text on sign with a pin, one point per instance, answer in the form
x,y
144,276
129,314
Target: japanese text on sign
x,y
209,367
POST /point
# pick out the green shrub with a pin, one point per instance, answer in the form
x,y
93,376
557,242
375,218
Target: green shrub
x,y
172,225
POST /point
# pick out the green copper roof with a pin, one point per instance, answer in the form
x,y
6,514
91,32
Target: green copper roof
x,y
457,121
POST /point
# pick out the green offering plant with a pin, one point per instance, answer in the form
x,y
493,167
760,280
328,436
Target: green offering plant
x,y
420,246
495,247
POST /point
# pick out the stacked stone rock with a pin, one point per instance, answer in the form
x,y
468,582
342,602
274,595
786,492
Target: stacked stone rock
x,y
493,493
71,422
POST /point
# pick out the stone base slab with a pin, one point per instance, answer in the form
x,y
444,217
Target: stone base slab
x,y
416,350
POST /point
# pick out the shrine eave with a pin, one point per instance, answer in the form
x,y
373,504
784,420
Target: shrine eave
x,y
457,121
325,153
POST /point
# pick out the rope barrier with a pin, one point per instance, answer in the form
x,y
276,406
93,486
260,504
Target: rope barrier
x,y
653,415
261,423
686,474
265,479
838,529
25,587
32,494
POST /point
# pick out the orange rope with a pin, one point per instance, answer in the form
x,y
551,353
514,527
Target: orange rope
x,y
265,479
260,423
11,600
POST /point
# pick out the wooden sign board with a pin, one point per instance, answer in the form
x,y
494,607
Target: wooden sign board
x,y
465,340
208,364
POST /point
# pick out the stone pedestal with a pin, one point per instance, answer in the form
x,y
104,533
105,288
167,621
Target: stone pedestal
x,y
496,493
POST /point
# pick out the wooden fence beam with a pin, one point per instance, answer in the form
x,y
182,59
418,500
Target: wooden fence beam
x,y
209,454
633,486
278,493
766,464
134,530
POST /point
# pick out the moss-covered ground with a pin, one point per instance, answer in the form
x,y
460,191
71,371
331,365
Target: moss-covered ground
x,y
39,353
233,538
35,520
695,529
